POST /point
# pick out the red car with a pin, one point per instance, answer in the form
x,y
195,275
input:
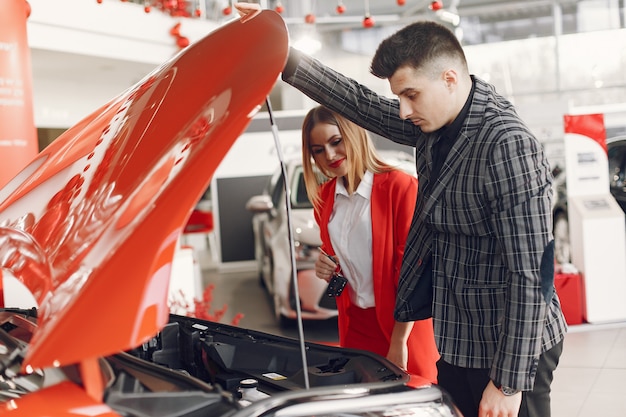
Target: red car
x,y
90,227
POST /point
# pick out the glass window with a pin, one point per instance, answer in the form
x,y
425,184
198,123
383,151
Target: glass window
x,y
592,60
516,67
300,198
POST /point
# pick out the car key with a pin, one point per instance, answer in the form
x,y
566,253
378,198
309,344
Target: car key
x,y
338,282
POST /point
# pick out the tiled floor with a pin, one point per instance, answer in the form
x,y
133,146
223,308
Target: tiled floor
x,y
591,376
590,380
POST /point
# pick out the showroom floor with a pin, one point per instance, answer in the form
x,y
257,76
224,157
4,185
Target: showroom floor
x,y
589,381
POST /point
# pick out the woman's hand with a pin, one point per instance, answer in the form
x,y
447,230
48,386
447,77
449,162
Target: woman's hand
x,y
247,10
324,267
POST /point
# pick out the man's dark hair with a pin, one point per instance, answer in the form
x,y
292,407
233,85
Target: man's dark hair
x,y
417,45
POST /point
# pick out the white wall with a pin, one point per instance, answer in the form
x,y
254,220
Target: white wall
x,y
114,29
84,54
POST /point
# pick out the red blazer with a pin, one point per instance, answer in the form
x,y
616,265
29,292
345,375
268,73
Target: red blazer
x,y
392,204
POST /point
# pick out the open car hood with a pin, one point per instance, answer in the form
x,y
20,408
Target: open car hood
x,y
90,226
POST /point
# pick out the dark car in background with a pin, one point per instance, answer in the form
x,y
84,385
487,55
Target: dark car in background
x,y
616,149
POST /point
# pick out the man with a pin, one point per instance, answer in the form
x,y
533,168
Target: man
x,y
481,240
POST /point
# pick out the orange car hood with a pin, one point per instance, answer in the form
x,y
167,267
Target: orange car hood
x,y
90,226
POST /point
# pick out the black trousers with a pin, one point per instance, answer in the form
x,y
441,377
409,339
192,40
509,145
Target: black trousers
x,y
466,385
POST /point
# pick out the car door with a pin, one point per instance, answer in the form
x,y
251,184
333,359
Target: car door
x,y
270,225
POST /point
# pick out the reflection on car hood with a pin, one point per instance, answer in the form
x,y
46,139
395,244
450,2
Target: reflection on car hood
x,y
306,229
91,225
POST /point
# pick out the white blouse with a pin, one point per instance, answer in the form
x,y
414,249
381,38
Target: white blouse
x,y
350,230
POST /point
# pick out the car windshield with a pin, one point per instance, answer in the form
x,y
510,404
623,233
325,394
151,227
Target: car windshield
x,y
299,197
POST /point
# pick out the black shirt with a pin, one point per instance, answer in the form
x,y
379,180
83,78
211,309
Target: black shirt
x,y
447,136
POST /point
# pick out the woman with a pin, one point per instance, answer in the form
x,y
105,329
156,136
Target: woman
x,y
364,212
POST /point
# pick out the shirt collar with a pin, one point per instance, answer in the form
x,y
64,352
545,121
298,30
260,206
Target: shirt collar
x,y
364,189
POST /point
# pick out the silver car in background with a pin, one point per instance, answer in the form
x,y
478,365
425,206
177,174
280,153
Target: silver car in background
x,y
272,252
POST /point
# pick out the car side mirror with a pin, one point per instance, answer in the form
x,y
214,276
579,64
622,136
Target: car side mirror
x,y
259,204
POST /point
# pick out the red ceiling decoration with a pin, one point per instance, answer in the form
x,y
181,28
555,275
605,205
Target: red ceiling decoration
x,y
368,20
435,5
192,9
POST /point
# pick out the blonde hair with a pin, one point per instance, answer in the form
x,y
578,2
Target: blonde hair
x,y
360,152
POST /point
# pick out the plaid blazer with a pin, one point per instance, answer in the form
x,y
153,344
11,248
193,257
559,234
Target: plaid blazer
x,y
485,221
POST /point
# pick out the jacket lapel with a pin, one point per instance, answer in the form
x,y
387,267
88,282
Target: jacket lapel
x,y
380,232
461,148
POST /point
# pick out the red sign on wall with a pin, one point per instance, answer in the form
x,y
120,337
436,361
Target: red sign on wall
x,y
589,125
586,158
18,136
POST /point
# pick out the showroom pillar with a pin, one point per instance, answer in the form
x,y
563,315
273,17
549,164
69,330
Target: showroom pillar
x,y
18,135
596,221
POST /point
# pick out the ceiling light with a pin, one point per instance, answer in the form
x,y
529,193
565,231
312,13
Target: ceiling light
x,y
307,44
448,17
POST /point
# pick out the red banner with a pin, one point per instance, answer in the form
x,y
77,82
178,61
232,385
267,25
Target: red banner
x,y
18,135
590,125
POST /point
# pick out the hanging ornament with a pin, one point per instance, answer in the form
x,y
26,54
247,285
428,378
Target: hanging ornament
x,y
340,7
183,8
175,30
175,8
368,20
435,5
228,9
309,18
182,42
279,7
401,2
99,1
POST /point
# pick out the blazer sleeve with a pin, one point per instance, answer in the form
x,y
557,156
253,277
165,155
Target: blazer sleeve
x,y
346,96
521,216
